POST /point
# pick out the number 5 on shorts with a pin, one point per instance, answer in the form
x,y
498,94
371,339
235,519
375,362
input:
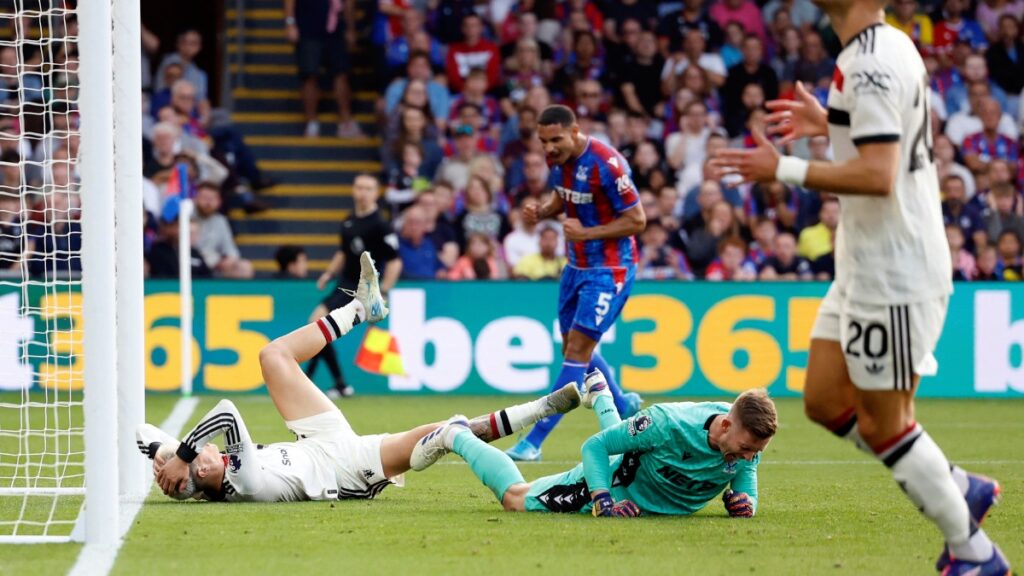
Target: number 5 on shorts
x,y
604,301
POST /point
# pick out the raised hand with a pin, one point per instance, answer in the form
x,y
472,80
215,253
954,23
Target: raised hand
x,y
795,119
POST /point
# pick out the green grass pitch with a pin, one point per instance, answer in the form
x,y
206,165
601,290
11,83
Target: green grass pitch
x,y
825,509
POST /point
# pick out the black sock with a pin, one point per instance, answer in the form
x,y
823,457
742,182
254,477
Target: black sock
x,y
331,359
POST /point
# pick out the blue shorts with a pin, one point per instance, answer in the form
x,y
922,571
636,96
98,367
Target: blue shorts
x,y
591,299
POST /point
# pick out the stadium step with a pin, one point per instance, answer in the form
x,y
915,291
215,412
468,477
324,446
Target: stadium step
x,y
314,175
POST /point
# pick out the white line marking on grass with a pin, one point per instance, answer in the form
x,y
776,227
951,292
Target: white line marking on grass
x,y
97,561
457,462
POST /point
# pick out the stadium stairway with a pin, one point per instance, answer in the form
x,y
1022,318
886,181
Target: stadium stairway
x,y
314,176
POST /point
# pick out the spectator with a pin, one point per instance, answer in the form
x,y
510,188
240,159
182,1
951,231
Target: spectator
x,y
764,231
189,45
688,146
439,227
8,78
802,13
316,29
732,49
474,91
406,180
816,241
988,265
732,263
524,70
400,47
513,152
1008,248
988,144
966,121
480,216
814,67
1003,216
946,164
455,168
1005,58
649,171
956,210
702,244
474,51
752,70
695,55
413,128
955,28
583,62
11,234
743,12
905,17
974,70
673,27
292,263
545,263
658,260
523,26
781,203
787,55
418,68
535,179
640,83
163,255
216,244
784,263
964,266
480,261
419,254
990,11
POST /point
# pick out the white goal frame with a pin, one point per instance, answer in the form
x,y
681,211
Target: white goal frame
x,y
112,278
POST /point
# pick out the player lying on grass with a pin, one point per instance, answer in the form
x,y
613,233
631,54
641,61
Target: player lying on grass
x,y
328,460
671,458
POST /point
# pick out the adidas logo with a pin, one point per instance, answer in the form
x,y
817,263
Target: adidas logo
x,y
874,368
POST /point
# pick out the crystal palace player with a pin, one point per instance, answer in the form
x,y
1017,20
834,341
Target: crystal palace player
x,y
878,325
328,460
591,182
669,459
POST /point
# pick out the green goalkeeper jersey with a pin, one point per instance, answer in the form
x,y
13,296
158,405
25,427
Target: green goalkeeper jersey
x,y
667,464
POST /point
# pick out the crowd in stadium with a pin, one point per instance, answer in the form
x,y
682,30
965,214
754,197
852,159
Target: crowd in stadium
x,y
665,83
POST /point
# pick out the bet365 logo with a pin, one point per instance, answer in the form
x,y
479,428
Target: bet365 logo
x,y
998,343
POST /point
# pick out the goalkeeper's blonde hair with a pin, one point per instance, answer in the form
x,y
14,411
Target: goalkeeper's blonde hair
x,y
755,411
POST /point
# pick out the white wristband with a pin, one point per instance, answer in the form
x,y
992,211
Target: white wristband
x,y
791,170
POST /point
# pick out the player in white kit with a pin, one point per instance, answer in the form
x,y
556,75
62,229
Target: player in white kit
x,y
328,460
882,317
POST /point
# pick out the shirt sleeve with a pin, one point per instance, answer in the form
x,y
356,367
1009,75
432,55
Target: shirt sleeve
x,y
388,244
243,470
875,96
639,433
618,184
746,481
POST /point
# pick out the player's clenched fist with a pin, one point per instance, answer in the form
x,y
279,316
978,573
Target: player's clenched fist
x,y
738,504
574,230
605,506
531,212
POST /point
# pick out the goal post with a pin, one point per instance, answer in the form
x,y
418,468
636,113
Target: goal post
x,y
71,271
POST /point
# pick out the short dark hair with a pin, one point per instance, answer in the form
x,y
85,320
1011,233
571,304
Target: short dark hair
x,y
557,114
287,254
417,54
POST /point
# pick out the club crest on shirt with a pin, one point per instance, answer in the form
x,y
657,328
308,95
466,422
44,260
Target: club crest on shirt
x,y
581,173
638,424
730,468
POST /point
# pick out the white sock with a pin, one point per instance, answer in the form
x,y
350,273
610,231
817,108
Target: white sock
x,y
921,469
495,425
960,477
340,321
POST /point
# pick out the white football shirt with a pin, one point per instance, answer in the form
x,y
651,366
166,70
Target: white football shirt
x,y
891,249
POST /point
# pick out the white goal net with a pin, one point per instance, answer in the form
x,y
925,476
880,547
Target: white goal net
x,y
62,241
41,426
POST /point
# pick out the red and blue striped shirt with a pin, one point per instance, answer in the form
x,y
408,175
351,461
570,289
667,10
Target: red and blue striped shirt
x,y
596,188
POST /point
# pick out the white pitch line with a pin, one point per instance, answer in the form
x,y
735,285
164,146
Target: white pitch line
x,y
454,461
97,561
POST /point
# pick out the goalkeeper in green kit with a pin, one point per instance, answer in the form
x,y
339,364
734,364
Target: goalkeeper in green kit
x,y
671,458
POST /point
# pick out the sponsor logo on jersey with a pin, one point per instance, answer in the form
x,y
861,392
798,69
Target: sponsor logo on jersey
x,y
638,424
870,82
574,196
681,479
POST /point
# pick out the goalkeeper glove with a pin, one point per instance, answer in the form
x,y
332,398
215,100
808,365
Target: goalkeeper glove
x,y
594,386
605,506
738,504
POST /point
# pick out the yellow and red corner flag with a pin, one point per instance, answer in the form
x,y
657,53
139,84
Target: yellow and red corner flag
x,y
379,353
